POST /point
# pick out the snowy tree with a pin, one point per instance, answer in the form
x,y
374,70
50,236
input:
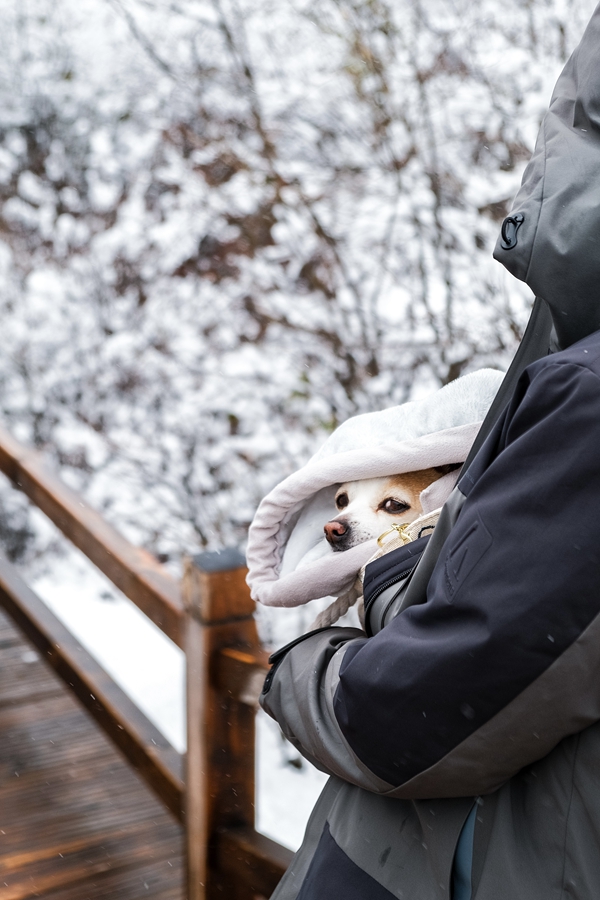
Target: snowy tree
x,y
228,225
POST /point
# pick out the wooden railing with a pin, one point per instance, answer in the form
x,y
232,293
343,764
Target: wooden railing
x,y
210,616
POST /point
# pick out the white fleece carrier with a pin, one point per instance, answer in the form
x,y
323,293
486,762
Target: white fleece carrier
x,y
289,560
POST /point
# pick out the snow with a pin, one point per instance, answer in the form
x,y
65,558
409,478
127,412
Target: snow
x,y
286,794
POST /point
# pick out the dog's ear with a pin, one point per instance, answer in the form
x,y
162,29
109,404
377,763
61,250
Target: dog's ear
x,y
450,467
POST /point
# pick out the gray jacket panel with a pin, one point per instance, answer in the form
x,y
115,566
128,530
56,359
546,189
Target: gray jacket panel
x,y
537,838
301,696
416,840
406,847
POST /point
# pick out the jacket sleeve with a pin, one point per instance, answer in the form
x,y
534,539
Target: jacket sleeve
x,y
551,240
456,695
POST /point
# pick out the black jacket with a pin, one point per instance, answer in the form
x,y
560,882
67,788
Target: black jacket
x,y
498,670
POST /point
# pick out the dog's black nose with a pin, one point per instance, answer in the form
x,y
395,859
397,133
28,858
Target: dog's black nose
x,y
336,532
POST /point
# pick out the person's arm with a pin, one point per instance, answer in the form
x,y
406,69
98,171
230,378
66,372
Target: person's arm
x,y
456,695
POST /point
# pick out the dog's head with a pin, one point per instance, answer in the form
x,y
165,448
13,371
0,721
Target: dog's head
x,y
369,507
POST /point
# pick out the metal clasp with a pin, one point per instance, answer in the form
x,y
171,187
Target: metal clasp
x,y
401,529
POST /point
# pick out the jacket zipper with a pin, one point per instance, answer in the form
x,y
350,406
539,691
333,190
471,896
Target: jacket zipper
x,y
384,587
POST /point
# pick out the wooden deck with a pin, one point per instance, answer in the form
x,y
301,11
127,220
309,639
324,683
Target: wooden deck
x,y
76,823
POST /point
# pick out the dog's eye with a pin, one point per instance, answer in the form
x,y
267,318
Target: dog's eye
x,y
394,506
341,501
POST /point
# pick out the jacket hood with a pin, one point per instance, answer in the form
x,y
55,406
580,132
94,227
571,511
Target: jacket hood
x,y
288,558
551,239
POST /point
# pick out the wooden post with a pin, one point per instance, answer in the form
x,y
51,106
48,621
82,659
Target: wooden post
x,y
220,728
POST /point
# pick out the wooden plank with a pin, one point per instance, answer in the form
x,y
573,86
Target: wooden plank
x,y
64,782
160,880
76,822
251,859
22,675
120,719
60,865
133,570
221,729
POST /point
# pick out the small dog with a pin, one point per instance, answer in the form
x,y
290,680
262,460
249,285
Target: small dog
x,y
372,506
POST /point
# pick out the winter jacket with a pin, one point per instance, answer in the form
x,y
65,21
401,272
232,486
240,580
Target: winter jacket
x,y
479,701
490,688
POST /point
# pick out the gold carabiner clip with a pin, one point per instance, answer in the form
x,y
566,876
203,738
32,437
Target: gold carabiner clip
x,y
401,529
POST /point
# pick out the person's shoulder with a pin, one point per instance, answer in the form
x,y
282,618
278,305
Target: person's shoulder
x,y
585,355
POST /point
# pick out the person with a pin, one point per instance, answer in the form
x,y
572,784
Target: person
x,y
462,731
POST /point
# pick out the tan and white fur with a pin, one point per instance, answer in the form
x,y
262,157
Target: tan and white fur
x,y
369,508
